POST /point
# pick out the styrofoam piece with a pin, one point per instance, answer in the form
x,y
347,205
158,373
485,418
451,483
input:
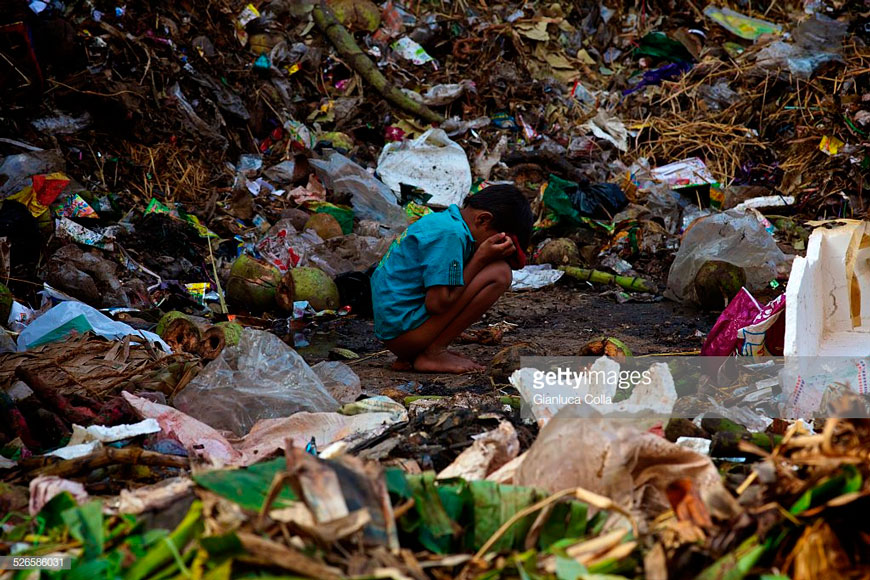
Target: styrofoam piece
x,y
75,451
111,434
827,309
765,201
696,444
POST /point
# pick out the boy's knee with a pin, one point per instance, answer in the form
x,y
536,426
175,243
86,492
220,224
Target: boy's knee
x,y
502,275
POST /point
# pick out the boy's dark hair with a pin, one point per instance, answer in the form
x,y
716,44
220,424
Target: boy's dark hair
x,y
510,210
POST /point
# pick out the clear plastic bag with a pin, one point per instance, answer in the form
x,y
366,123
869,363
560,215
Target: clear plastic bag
x,y
339,380
734,237
371,199
261,378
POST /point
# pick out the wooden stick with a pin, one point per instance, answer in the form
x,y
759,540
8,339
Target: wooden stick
x,y
47,465
347,47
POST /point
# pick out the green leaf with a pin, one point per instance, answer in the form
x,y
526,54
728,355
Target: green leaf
x,y
50,514
567,520
848,480
397,482
247,487
494,504
86,525
222,546
222,571
438,528
81,569
568,568
736,564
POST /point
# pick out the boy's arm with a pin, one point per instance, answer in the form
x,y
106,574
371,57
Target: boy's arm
x,y
439,299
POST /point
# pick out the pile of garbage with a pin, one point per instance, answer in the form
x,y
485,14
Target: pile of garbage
x,y
190,192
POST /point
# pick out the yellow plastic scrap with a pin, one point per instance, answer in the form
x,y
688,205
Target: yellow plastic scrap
x,y
830,145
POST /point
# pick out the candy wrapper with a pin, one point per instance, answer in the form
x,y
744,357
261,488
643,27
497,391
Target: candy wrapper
x,y
742,26
249,13
155,206
686,173
410,50
75,206
299,133
98,239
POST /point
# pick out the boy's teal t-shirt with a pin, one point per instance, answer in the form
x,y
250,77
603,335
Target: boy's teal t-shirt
x,y
433,251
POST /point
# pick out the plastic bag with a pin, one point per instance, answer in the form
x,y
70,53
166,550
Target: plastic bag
x,y
261,378
617,460
17,169
370,198
733,237
817,41
534,277
338,378
748,328
567,199
801,62
76,317
431,162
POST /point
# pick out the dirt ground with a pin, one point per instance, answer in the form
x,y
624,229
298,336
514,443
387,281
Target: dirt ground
x,y
560,319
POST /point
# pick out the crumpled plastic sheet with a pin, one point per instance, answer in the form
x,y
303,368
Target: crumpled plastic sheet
x,y
535,277
200,440
615,459
44,487
734,237
431,162
68,317
370,198
261,378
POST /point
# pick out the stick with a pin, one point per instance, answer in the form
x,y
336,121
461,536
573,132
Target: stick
x,y
217,280
347,47
47,465
632,283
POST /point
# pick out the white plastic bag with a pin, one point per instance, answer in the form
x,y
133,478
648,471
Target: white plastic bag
x,y
431,162
261,378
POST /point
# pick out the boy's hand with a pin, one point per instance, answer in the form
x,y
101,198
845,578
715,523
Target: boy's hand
x,y
497,247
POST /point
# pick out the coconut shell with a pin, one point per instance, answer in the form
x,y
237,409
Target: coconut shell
x,y
182,335
560,252
166,319
325,225
232,332
212,343
717,283
312,285
252,284
507,360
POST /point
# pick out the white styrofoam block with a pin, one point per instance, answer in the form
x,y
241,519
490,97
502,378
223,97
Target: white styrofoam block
x,y
820,317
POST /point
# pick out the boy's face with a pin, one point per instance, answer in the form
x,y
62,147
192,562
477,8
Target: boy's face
x,y
481,226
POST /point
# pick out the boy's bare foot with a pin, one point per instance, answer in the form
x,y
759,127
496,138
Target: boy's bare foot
x,y
445,362
402,365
